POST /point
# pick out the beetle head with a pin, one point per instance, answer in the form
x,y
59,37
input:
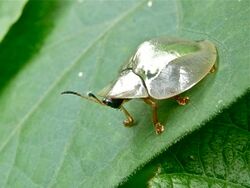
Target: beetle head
x,y
113,103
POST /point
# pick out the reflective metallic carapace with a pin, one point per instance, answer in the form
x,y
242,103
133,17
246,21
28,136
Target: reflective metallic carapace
x,y
164,67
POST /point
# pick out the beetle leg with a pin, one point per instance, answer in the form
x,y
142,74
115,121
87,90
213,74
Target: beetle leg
x,y
181,100
212,69
159,128
129,121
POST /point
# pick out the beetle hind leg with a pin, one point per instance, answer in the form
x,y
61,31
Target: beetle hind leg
x,y
181,100
159,128
212,70
129,121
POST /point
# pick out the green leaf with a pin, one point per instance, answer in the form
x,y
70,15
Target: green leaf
x,y
10,11
215,156
50,140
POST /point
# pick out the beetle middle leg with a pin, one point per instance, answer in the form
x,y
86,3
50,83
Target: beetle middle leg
x,y
159,128
129,121
181,100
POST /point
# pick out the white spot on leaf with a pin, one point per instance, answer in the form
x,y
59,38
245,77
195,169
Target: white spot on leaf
x,y
150,3
219,103
80,74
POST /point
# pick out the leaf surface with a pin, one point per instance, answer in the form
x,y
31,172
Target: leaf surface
x,y
10,11
215,156
49,140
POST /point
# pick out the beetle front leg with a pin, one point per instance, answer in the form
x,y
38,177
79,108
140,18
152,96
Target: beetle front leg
x,y
159,128
129,121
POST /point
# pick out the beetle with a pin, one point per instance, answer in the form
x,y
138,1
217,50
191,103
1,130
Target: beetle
x,y
161,68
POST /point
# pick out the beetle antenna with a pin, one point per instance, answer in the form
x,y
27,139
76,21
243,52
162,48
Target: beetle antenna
x,y
93,97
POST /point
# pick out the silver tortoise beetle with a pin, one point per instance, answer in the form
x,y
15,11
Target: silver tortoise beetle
x,y
161,68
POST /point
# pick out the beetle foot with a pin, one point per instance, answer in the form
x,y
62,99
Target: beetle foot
x,y
212,69
159,128
128,122
182,100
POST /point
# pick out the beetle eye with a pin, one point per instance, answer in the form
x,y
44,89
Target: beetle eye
x,y
107,101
